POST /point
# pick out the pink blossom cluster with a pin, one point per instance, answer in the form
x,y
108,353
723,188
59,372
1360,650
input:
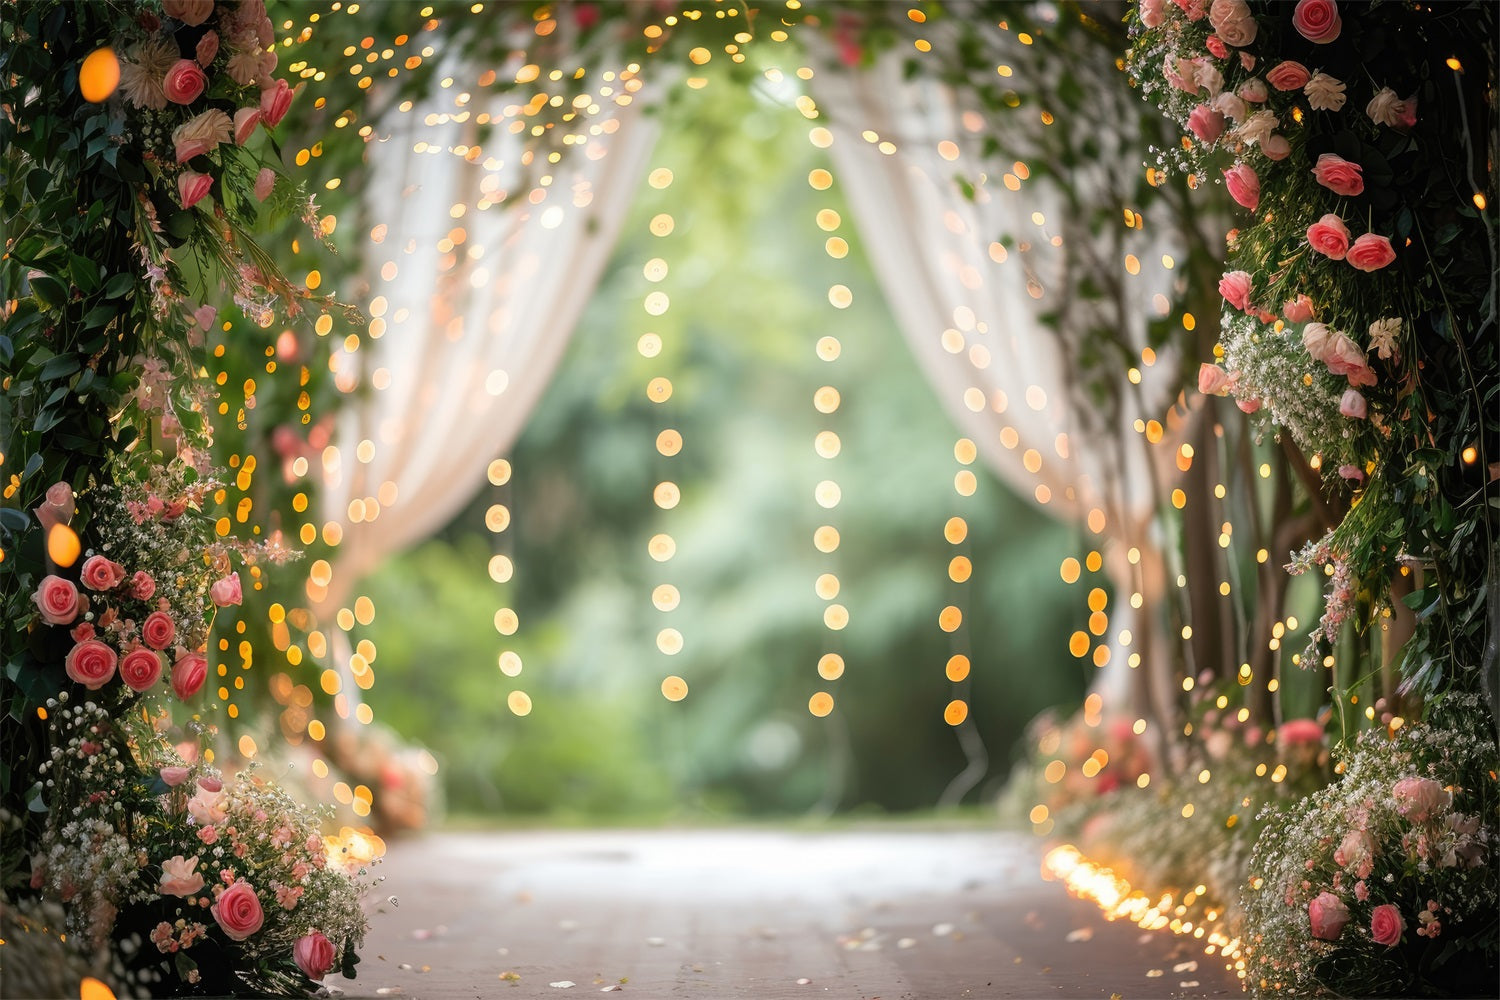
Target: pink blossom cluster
x,y
117,621
233,58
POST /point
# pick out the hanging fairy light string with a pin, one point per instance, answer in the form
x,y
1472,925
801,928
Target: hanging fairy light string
x,y
666,494
960,569
826,401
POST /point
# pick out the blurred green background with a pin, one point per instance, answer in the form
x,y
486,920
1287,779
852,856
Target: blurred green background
x,y
748,283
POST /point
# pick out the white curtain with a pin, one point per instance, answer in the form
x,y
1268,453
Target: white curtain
x,y
477,300
972,312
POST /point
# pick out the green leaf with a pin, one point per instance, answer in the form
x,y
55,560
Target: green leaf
x,y
118,285
58,367
49,291
85,273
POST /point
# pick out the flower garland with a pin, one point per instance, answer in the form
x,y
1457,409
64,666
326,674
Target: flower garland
x,y
134,172
1359,295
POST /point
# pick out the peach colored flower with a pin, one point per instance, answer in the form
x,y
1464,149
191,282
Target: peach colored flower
x,y
1420,799
1383,334
1339,175
226,591
142,73
314,955
1206,123
1386,925
1213,380
238,911
1276,147
1328,915
1235,287
190,12
245,120
1288,75
100,573
188,674
200,134
207,48
1244,185
1298,310
90,663
140,668
179,878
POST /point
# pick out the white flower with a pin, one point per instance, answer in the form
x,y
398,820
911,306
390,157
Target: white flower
x,y
1385,108
142,74
1257,128
1383,334
1325,93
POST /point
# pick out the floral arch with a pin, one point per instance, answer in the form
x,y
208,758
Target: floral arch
x,y
1055,301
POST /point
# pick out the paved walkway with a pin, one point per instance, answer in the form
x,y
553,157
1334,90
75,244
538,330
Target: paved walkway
x,y
883,913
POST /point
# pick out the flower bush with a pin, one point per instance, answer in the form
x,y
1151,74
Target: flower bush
x,y
1384,883
130,140
1359,299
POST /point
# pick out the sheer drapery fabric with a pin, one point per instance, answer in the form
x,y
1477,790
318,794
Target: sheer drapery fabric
x,y
478,299
994,328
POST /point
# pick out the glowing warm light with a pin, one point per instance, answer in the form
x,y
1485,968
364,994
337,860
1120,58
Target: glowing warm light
x,y
674,688
97,79
63,547
820,704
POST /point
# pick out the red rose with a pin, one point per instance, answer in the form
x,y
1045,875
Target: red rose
x,y
1371,252
1317,20
238,911
90,663
1288,75
1339,175
184,82
1329,236
101,574
313,954
188,674
158,630
57,600
274,102
142,586
140,668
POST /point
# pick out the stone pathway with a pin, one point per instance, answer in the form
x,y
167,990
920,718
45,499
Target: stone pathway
x,y
895,914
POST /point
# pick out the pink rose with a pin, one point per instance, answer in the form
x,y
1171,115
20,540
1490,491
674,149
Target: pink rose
x,y
1235,287
1247,61
1244,186
1181,73
1386,925
173,776
1370,252
1328,915
192,187
1231,106
1288,75
1152,14
184,82
158,630
1329,236
1339,175
274,102
1317,20
245,120
1357,845
101,574
1343,355
188,674
142,586
56,508
90,663
1248,405
1240,32
1420,799
211,783
140,668
1206,123
1298,310
1408,118
1213,380
1216,45
190,12
178,877
57,600
226,591
200,134
82,632
1276,147
205,808
1352,472
238,911
264,181
1352,404
208,47
313,954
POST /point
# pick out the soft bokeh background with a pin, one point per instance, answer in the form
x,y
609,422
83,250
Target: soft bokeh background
x,y
748,283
